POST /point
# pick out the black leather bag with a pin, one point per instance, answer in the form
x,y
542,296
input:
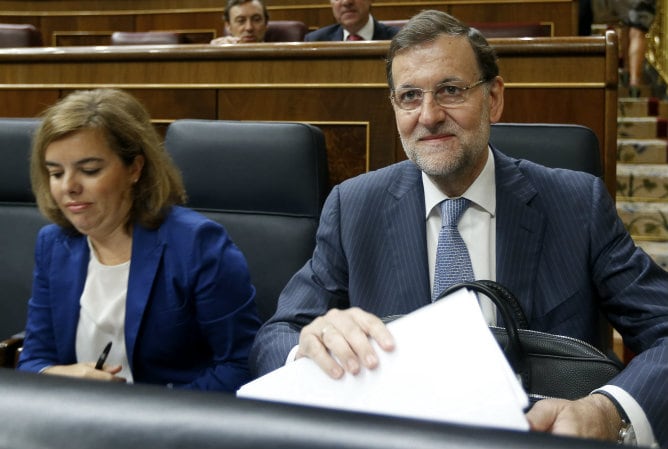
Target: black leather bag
x,y
548,365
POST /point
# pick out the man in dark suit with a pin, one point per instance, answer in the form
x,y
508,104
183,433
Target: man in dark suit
x,y
354,22
245,22
551,236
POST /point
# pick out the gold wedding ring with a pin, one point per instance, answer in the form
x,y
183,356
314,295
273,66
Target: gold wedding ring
x,y
323,331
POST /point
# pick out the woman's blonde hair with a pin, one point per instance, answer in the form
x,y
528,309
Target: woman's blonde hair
x,y
127,127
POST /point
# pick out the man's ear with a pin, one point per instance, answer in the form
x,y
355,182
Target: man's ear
x,y
496,99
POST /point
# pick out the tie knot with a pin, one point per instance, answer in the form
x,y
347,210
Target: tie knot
x,y
452,210
354,37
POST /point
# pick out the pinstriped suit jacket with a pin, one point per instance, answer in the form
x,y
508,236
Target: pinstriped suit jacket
x,y
561,248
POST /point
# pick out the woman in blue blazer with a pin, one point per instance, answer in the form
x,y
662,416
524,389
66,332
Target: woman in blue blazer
x,y
124,263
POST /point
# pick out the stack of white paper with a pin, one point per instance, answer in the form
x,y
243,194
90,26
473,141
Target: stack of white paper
x,y
446,366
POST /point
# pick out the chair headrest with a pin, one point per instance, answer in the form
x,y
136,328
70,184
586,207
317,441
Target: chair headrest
x,y
285,31
145,38
15,144
19,35
267,167
574,147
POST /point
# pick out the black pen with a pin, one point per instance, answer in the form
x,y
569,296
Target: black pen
x,y
103,356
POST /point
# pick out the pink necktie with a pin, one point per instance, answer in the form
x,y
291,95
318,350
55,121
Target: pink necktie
x,y
354,37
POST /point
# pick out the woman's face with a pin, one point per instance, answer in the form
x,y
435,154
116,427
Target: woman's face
x,y
90,183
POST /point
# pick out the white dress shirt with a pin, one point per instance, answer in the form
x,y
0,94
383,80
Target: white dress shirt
x,y
365,33
477,227
102,314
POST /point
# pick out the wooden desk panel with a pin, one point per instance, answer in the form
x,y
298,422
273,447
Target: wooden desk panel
x,y
340,87
89,16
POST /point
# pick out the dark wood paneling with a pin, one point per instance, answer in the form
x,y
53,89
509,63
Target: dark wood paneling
x,y
337,85
146,15
26,102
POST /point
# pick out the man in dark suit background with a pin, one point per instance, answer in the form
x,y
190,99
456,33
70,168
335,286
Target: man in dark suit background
x,y
551,236
354,22
245,22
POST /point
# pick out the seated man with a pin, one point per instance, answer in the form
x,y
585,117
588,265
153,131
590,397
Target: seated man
x,y
354,22
550,236
245,21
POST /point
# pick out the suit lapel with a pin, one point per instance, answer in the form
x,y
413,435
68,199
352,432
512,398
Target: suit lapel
x,y
73,255
520,230
147,250
406,237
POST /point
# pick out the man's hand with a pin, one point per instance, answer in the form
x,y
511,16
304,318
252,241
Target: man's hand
x,y
343,335
594,416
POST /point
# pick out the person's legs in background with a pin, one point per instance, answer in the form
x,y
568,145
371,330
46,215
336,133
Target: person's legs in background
x,y
640,18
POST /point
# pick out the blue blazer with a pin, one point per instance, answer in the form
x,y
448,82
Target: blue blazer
x,y
190,311
561,248
381,32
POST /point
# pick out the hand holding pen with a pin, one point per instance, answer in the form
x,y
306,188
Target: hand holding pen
x,y
103,356
87,370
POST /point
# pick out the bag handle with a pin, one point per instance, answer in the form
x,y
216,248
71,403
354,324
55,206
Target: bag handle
x,y
513,318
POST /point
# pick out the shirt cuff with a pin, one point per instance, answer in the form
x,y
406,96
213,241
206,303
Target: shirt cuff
x,y
637,416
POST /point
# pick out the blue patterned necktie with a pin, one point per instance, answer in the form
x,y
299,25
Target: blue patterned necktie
x,y
453,263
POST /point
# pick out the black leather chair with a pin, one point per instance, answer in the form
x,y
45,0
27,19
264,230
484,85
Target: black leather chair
x,y
265,182
19,35
20,221
51,412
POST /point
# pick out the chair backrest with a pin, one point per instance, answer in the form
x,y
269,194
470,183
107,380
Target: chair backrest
x,y
398,23
498,29
265,182
514,29
19,35
145,38
285,31
110,414
574,147
20,221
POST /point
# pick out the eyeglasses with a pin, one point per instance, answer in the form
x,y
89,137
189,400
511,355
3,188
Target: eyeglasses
x,y
445,95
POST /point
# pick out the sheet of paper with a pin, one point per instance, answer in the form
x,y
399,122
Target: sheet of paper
x,y
446,366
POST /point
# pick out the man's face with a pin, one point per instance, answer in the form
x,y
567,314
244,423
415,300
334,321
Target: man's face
x,y
247,22
448,143
351,14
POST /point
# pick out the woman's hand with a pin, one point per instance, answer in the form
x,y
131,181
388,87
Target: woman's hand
x,y
86,371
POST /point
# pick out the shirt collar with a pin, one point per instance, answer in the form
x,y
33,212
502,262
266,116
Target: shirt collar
x,y
365,33
482,192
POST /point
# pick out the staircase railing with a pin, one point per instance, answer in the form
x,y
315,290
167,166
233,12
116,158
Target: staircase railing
x,y
657,42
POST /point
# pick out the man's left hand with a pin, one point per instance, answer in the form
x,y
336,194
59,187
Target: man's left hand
x,y
594,416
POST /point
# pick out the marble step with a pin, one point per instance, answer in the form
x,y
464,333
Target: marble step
x,y
646,221
642,127
642,182
657,251
642,107
642,151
